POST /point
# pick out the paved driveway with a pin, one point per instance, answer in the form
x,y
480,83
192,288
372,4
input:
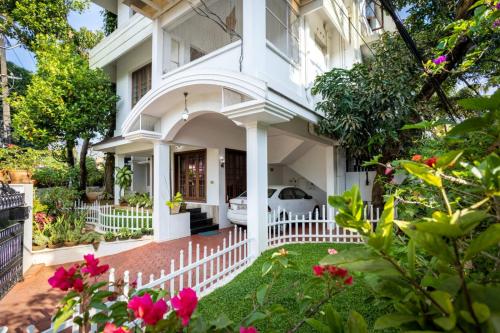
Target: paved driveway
x,y
33,302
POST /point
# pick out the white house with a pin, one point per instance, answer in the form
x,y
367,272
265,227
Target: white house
x,y
214,106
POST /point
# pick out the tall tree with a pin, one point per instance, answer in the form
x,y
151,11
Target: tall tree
x,y
65,101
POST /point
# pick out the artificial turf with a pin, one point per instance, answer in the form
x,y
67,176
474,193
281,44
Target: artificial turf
x,y
231,298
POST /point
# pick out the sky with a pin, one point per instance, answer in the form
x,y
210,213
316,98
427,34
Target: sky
x,y
90,18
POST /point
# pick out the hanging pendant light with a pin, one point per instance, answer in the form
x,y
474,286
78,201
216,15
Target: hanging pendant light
x,y
185,113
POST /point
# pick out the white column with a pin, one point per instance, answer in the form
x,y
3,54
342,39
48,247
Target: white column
x,y
254,37
223,221
157,54
257,214
119,163
331,174
161,191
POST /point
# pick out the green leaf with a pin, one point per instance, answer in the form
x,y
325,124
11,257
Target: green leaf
x,y
98,305
356,323
411,258
448,159
266,268
393,320
469,219
333,319
443,299
261,294
100,318
423,172
221,322
440,229
481,103
382,238
317,325
62,316
445,282
432,244
482,311
446,323
487,238
255,317
468,125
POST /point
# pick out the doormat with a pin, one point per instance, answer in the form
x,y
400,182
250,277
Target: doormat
x,y
209,233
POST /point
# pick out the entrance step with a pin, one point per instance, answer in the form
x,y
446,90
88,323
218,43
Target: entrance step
x,y
199,221
198,216
193,210
204,228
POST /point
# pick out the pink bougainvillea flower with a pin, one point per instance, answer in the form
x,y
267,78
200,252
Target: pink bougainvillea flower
x,y
249,329
145,309
184,304
62,278
388,171
431,161
348,281
332,251
416,158
439,60
318,270
92,266
78,285
111,328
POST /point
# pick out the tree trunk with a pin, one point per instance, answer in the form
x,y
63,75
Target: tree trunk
x,y
109,171
4,79
82,185
70,156
378,188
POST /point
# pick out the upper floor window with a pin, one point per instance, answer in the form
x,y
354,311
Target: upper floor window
x,y
141,83
282,27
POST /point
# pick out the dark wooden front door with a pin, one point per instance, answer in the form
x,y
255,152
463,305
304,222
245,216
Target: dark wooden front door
x,y
236,173
191,174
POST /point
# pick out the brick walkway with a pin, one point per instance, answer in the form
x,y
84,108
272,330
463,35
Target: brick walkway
x,y
33,302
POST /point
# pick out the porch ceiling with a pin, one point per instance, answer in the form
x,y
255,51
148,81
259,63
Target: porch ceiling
x,y
151,8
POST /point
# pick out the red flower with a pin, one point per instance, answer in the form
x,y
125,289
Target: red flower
x,y
348,281
148,311
78,285
62,278
318,270
184,304
431,161
92,266
416,158
332,270
341,272
249,329
111,328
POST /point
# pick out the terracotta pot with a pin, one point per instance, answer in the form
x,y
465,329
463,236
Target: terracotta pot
x,y
176,209
20,176
55,246
4,176
70,243
38,247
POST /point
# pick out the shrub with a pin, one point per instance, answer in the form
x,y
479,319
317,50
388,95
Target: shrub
x,y
136,234
109,236
57,199
124,233
142,200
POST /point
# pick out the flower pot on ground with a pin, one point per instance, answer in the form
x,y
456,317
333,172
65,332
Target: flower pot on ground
x,y
35,247
176,203
109,236
124,234
136,234
18,176
39,241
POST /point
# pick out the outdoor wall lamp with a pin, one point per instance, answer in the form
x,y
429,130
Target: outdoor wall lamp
x,y
185,113
222,161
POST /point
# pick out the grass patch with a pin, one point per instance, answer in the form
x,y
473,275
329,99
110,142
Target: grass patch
x,y
230,299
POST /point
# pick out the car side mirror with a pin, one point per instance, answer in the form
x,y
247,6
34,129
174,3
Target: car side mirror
x,y
308,197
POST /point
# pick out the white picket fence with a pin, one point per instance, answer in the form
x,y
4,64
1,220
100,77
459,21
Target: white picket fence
x,y
107,218
198,268
315,227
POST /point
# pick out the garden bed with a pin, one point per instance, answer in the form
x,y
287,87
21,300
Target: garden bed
x,y
64,255
231,298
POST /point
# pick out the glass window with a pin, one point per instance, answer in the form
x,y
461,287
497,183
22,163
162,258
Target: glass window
x,y
282,27
287,194
141,83
299,194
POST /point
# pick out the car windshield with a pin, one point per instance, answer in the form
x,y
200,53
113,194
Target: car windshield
x,y
270,192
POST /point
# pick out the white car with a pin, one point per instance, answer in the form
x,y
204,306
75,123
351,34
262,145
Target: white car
x,y
291,199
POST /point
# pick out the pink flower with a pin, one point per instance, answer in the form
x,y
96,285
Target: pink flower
x,y
92,266
62,278
332,251
318,270
111,328
184,304
439,60
388,171
249,329
78,285
145,309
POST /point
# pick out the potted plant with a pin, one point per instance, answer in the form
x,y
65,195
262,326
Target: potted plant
x,y
176,203
123,179
72,237
39,242
124,234
136,234
109,236
55,241
18,164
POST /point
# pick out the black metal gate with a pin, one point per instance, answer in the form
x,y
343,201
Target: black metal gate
x,y
12,215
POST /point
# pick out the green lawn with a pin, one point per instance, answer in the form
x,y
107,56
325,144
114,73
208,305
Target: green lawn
x,y
230,299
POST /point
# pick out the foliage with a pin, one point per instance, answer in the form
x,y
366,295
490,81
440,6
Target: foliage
x,y
142,200
26,19
176,201
123,177
124,233
448,278
90,238
14,157
136,234
110,236
57,199
110,22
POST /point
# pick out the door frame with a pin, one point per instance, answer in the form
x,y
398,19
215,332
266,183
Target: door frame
x,y
176,170
229,150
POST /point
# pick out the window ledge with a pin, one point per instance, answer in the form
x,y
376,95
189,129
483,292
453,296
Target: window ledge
x,y
282,55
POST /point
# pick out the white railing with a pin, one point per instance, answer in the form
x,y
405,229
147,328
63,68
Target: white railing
x,y
315,227
107,218
198,268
